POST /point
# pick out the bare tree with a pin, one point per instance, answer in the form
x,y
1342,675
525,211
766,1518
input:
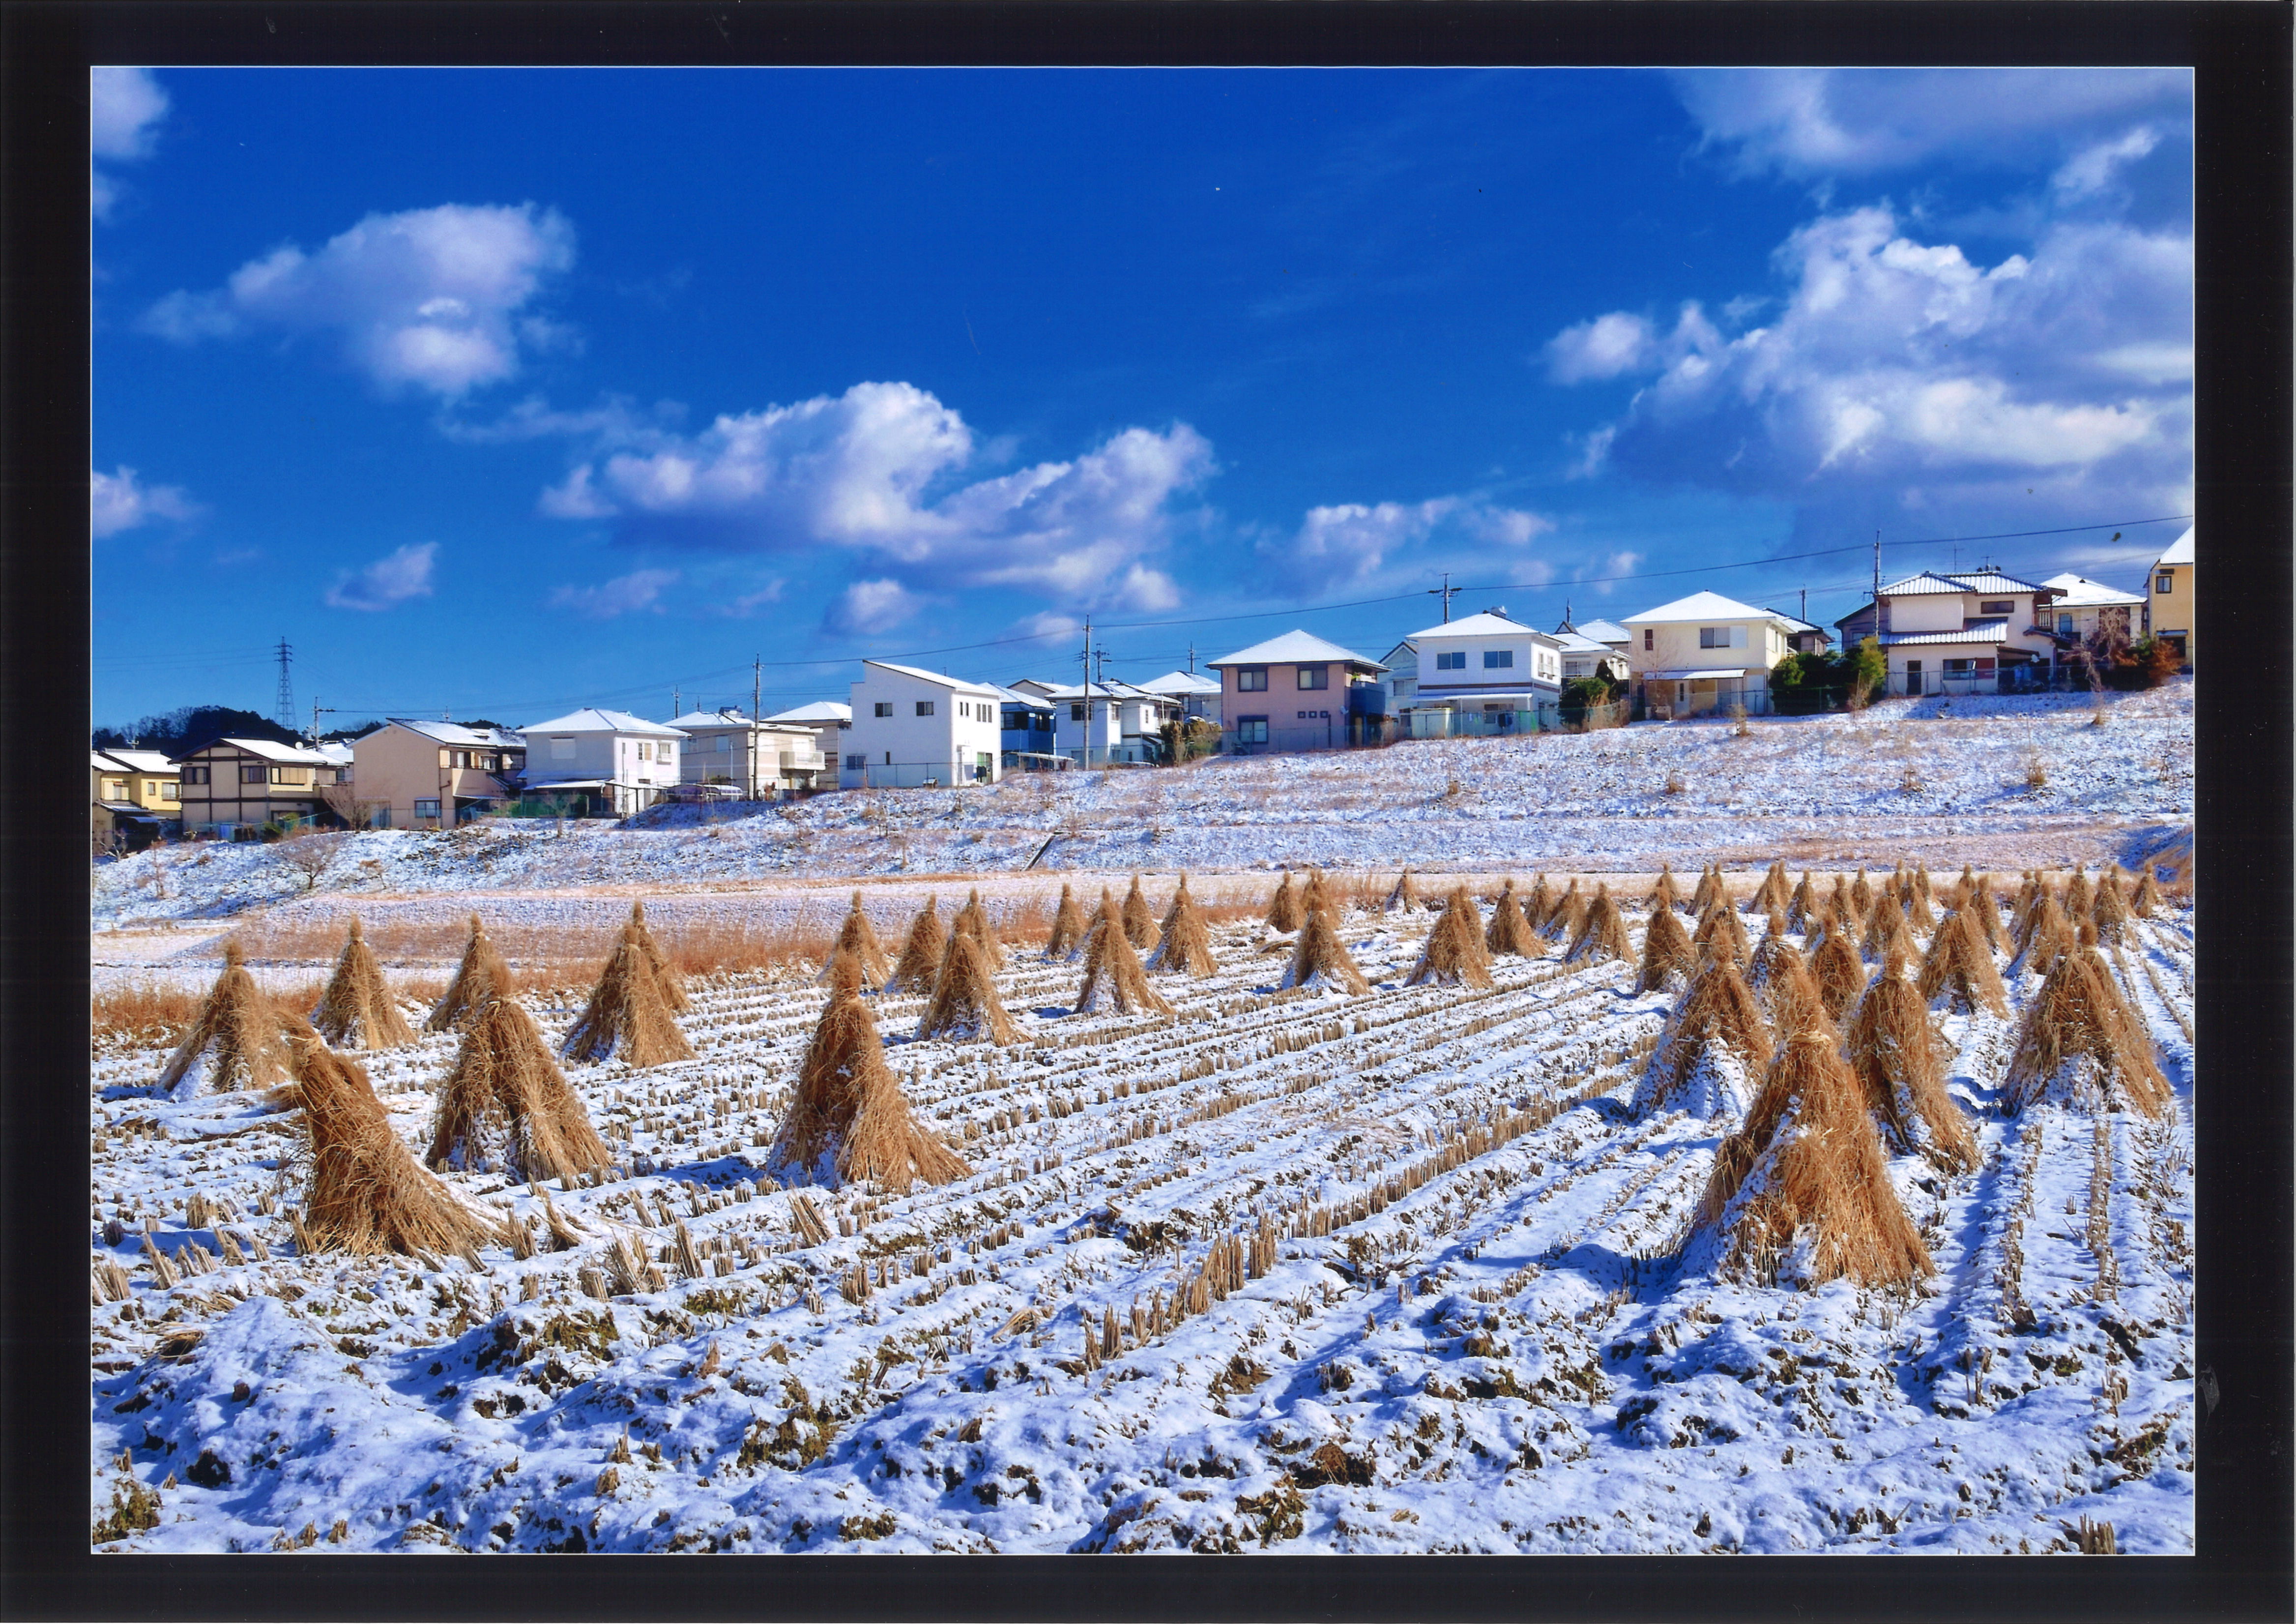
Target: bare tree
x,y
309,855
344,801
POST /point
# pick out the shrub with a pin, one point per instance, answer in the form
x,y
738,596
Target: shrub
x,y
2036,772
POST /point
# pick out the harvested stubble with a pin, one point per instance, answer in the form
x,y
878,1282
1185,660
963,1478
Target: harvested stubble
x,y
356,1011
1664,893
964,1002
849,1119
1840,973
1139,920
1774,892
1184,941
1509,931
2110,912
1710,887
367,1193
1801,904
973,920
1453,954
1405,897
1959,967
919,967
1283,907
1114,978
1888,933
1720,924
1667,951
1805,1176
857,940
665,973
2081,1045
1567,919
1321,960
1066,939
1894,1056
236,1043
626,1015
1715,1010
1602,934
508,1104
479,978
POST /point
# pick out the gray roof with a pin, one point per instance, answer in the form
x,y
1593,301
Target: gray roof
x,y
1294,648
1975,631
591,719
454,733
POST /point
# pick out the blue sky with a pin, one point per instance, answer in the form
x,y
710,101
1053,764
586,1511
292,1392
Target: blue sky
x,y
500,392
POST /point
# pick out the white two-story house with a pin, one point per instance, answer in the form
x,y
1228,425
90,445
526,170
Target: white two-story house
x,y
1115,721
1972,631
1705,653
594,763
1198,695
914,728
1484,674
741,757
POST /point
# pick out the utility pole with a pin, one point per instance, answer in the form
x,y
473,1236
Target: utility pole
x,y
314,721
757,704
1805,605
1877,583
677,701
286,711
1446,592
1192,658
1088,693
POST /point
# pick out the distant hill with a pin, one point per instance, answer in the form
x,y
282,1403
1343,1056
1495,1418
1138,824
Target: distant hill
x,y
189,726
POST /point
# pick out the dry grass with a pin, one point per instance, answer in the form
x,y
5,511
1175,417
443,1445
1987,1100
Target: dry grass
x,y
1720,924
151,1014
1792,1000
1405,897
1773,893
1453,954
1566,916
506,1103
356,1012
1888,932
1708,892
1895,1058
235,1042
964,1004
1664,893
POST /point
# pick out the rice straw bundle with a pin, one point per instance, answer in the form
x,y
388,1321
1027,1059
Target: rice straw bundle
x,y
1283,907
2110,912
506,1105
1320,960
919,967
1790,998
1763,963
1184,941
1921,887
2145,900
1839,903
964,1002
1716,1015
1316,895
2080,1045
1139,919
236,1042
1914,903
1069,927
1539,906
665,973
1509,931
1773,893
356,1011
1721,923
856,940
1887,932
2040,931
1113,975
1802,1188
973,920
1861,897
1710,887
366,1193
1567,917
1959,967
481,976
1603,933
2029,898
626,1015
1959,895
1667,952
1801,905
1840,973
1453,954
2079,900
1405,897
1664,893
1985,908
849,1120
1894,1056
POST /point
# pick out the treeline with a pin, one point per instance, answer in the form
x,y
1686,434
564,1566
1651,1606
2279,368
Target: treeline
x,y
186,727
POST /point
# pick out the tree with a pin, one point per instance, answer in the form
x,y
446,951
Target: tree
x,y
1866,671
187,728
343,800
309,856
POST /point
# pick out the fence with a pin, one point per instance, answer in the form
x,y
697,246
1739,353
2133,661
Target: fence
x,y
1448,722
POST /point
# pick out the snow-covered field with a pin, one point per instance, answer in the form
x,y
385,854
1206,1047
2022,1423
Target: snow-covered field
x,y
1469,1340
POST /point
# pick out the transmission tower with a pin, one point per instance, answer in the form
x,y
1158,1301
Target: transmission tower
x,y
286,687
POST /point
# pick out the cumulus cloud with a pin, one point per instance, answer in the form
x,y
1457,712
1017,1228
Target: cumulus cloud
x,y
867,607
1806,123
2091,168
125,106
1898,360
395,579
624,594
432,299
1349,542
877,472
1603,347
118,501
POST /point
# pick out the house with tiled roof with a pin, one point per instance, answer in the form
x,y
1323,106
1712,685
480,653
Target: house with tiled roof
x,y
232,788
1976,631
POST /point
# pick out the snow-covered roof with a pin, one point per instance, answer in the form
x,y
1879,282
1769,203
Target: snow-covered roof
x,y
1014,696
1797,625
338,752
286,755
1294,648
1181,682
1976,631
1702,674
1579,643
1602,631
590,719
2180,551
2078,591
820,712
1995,580
1701,606
454,733
1931,583
725,715
135,760
1487,624
956,685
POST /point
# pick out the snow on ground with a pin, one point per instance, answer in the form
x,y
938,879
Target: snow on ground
x,y
2005,783
1500,1353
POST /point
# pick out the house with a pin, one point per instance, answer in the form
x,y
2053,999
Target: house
x,y
1609,632
2169,603
913,727
412,773
1705,653
1806,638
830,722
1115,721
1198,695
1025,731
1972,631
1299,691
1400,685
1484,674
137,797
2082,608
593,763
751,758
234,787
1585,656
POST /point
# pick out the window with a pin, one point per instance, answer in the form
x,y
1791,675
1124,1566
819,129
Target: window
x,y
884,707
889,757
924,707
1650,639
115,788
562,747
1251,729
854,763
1457,660
1498,659
252,774
426,809
2164,580
1251,680
1574,668
1076,711
1314,676
168,791
1956,668
195,775
1719,637
1997,606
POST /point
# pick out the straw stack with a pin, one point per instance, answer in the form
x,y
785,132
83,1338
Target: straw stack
x,y
1509,931
2081,1045
358,1012
849,1119
236,1042
1067,939
1958,970
506,1105
1184,939
1667,955
1453,954
919,965
627,1017
479,978
1320,960
1114,978
1895,1058
964,1004
973,920
366,1193
1603,933
665,973
1714,1040
856,940
1284,913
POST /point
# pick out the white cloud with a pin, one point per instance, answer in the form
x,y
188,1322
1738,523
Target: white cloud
x,y
1348,540
615,423
1603,347
624,594
431,298
867,607
1505,527
2091,170
872,472
125,106
389,581
118,502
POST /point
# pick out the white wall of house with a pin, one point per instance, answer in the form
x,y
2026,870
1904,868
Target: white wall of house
x,y
639,759
912,728
1487,660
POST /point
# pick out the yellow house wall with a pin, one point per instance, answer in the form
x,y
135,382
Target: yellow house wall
x,y
2173,611
1676,649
